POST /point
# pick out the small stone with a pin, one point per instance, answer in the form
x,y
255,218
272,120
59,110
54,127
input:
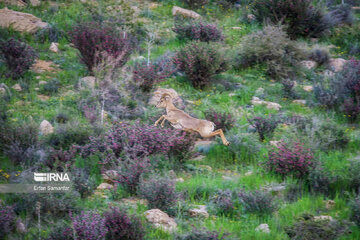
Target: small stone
x,y
37,89
199,211
249,173
308,88
160,220
269,105
206,167
2,91
43,97
35,3
275,143
54,47
259,92
323,218
236,28
198,158
134,201
251,17
20,227
227,178
104,186
17,87
46,128
276,189
42,82
172,174
153,5
263,228
181,180
87,82
300,101
110,176
327,73
308,64
329,204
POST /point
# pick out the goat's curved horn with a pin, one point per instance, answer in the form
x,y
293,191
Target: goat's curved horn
x,y
166,95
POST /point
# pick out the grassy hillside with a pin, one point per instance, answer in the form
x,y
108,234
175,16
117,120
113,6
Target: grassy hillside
x,y
284,163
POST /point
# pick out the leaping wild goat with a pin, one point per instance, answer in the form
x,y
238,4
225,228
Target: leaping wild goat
x,y
181,120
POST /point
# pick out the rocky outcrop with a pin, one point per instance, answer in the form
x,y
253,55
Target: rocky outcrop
x,y
160,220
19,21
18,3
46,128
337,64
184,12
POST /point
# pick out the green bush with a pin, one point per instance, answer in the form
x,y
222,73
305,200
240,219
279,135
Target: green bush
x,y
272,47
300,17
201,61
307,228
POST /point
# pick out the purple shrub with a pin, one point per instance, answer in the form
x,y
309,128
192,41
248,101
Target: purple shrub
x,y
90,113
19,142
291,159
18,57
7,219
224,121
222,202
140,140
159,192
61,232
120,225
200,61
258,202
265,126
146,75
60,159
89,226
198,30
92,40
132,171
351,109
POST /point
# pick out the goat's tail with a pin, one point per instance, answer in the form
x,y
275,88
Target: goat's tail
x,y
212,126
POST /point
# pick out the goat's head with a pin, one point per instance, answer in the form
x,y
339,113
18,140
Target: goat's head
x,y
164,100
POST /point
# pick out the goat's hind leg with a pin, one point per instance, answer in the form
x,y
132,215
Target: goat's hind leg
x,y
221,133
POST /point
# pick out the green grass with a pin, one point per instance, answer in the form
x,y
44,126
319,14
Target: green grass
x,y
199,185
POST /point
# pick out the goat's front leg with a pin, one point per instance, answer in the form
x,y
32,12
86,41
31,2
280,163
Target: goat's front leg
x,y
157,122
163,121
